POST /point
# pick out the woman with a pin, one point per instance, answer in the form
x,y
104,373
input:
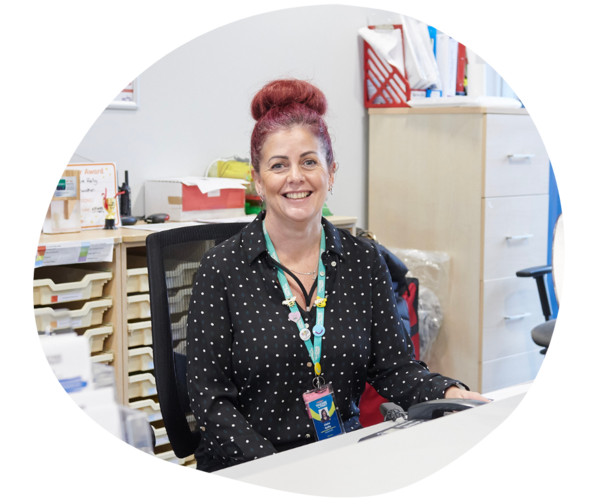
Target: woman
x,y
248,360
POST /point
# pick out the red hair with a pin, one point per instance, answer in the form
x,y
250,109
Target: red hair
x,y
284,104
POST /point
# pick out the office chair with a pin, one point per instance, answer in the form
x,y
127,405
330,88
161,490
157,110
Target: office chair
x,y
173,258
542,334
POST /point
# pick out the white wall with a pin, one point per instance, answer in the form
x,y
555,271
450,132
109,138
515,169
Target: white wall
x,y
195,101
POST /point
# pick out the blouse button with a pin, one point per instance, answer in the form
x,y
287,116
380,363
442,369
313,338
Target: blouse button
x,y
202,428
333,264
309,364
307,435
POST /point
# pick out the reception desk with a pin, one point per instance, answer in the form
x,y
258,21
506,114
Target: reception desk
x,y
382,464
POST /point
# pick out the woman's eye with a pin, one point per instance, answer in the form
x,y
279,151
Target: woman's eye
x,y
276,167
310,163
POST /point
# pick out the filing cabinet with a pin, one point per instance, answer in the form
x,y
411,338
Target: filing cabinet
x,y
472,182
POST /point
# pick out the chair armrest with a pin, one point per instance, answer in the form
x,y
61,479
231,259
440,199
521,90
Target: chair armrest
x,y
534,272
538,274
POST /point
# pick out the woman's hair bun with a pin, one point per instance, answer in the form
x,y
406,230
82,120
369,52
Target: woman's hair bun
x,y
281,94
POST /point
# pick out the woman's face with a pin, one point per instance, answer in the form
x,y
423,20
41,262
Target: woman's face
x,y
294,177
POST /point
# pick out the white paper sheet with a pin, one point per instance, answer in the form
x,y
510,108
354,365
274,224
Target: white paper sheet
x,y
206,184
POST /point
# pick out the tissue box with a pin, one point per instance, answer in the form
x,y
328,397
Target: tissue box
x,y
195,198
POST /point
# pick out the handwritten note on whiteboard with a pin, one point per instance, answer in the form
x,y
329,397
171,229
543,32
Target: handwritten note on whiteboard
x,y
95,179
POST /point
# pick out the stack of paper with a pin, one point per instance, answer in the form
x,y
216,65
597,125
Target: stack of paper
x,y
421,64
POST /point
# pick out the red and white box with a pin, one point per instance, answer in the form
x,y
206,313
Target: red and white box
x,y
195,198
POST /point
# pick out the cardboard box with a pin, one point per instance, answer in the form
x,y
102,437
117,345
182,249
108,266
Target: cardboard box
x,y
195,198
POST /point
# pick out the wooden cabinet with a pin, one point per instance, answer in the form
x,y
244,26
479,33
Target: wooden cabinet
x,y
120,333
473,183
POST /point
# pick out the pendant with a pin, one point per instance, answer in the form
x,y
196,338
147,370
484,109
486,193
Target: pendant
x,y
305,334
318,330
294,316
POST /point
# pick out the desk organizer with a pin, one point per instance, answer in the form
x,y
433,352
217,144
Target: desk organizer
x,y
179,326
52,285
91,313
138,306
139,334
384,85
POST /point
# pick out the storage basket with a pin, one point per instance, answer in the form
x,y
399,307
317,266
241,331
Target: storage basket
x,y
160,434
142,385
384,85
148,407
96,336
91,313
137,274
139,334
138,306
103,357
52,285
140,360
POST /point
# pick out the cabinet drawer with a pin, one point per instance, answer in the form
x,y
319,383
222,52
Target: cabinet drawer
x,y
517,369
515,234
515,298
514,135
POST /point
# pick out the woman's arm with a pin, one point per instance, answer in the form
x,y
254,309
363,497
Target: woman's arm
x,y
393,371
213,396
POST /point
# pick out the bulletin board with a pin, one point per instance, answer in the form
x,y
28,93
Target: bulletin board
x,y
95,180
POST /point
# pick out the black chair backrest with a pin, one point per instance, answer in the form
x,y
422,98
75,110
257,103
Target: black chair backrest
x,y
173,258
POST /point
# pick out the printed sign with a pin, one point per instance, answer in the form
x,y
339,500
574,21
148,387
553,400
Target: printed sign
x,y
96,181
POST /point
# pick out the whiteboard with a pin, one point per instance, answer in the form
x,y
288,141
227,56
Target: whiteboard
x,y
96,179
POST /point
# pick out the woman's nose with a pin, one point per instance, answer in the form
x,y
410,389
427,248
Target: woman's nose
x,y
296,174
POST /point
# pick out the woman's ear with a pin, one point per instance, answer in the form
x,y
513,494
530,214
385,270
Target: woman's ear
x,y
258,183
332,172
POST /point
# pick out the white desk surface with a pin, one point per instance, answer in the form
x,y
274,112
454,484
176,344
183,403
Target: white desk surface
x,y
381,464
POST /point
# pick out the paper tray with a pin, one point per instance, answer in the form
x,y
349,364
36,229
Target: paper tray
x,y
137,274
91,313
103,357
148,407
179,301
170,457
138,306
96,336
52,285
181,274
140,360
139,334
160,434
142,385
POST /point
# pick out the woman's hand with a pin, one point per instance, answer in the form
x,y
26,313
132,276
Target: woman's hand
x,y
456,392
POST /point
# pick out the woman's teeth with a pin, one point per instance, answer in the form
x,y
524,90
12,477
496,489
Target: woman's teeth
x,y
297,195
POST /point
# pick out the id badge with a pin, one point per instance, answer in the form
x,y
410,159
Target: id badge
x,y
322,410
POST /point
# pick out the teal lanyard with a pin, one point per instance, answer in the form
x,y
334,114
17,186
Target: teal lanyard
x,y
319,329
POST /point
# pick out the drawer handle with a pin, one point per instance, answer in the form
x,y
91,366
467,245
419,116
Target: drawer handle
x,y
521,156
522,236
517,316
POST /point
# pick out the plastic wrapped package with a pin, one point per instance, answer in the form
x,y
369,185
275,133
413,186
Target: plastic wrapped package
x,y
432,268
430,320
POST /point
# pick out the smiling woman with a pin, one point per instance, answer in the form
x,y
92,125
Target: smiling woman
x,y
255,343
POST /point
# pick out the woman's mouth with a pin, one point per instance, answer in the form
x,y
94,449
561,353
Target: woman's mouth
x,y
297,195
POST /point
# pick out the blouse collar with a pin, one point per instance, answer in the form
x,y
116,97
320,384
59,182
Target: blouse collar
x,y
254,245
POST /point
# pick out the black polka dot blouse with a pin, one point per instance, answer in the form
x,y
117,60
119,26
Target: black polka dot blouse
x,y
248,367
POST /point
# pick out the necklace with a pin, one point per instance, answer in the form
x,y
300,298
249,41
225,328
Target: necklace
x,y
313,273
